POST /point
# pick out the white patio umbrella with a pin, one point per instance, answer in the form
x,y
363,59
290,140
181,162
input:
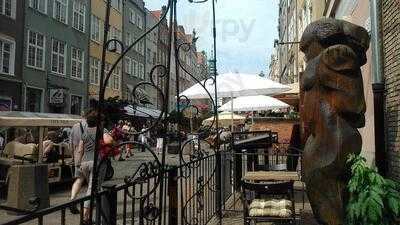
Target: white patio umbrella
x,y
235,85
253,103
225,119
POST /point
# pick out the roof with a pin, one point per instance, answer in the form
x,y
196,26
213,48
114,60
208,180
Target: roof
x,y
157,13
31,119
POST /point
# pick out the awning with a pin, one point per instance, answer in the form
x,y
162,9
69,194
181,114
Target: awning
x,y
32,119
140,111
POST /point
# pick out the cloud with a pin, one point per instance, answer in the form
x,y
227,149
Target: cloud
x,y
245,30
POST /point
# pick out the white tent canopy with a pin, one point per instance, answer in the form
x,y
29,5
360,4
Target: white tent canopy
x,y
253,103
235,85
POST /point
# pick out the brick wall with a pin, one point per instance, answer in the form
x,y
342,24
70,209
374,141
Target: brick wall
x,y
391,58
282,126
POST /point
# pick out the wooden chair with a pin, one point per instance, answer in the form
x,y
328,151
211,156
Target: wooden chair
x,y
277,190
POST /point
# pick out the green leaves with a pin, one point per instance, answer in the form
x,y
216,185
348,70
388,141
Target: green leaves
x,y
374,200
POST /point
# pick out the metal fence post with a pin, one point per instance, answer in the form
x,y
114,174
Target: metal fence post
x,y
109,205
173,196
218,180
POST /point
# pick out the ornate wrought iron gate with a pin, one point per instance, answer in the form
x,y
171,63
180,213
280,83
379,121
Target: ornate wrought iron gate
x,y
188,193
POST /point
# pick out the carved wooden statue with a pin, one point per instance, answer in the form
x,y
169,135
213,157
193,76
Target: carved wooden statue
x,y
334,108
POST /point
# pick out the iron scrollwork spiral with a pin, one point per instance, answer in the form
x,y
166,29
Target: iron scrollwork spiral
x,y
196,152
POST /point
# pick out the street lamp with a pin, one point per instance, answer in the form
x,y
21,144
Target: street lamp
x,y
214,73
276,43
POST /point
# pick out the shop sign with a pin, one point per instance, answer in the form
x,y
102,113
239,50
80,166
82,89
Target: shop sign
x,y
56,96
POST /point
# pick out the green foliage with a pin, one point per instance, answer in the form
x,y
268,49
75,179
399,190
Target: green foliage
x,y
374,200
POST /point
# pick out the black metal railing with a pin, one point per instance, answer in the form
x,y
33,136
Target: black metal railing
x,y
188,193
190,198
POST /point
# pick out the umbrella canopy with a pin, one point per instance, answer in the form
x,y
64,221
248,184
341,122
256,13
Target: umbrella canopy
x,y
225,119
235,85
253,103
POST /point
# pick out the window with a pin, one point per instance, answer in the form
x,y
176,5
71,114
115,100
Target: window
x,y
116,4
115,78
7,8
134,68
76,104
148,55
128,66
39,5
60,9
36,46
115,34
107,68
139,21
128,39
141,70
7,56
77,63
139,47
96,29
33,100
58,59
94,71
78,19
132,16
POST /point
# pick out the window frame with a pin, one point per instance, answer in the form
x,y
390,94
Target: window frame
x,y
128,65
36,46
37,9
81,15
91,66
70,103
11,68
118,76
66,11
58,55
98,25
77,61
41,96
12,9
132,13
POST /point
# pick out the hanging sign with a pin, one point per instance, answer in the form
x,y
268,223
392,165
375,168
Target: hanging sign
x,y
56,96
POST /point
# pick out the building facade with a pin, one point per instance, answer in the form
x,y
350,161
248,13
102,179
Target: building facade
x,y
11,54
134,61
151,56
97,17
56,55
163,49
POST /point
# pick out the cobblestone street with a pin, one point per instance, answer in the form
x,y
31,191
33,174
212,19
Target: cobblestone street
x,y
60,194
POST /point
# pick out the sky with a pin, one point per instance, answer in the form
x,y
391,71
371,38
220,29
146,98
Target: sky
x,y
246,30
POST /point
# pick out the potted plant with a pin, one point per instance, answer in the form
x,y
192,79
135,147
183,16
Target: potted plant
x,y
374,200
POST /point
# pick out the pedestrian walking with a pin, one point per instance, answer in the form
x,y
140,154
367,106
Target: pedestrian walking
x,y
86,154
75,137
159,145
143,138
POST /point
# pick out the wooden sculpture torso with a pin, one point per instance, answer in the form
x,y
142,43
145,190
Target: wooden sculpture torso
x,y
334,108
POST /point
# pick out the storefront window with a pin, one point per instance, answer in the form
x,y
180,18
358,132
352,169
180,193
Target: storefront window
x,y
76,105
33,100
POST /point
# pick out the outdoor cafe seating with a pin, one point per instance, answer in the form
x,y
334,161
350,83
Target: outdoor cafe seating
x,y
265,173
